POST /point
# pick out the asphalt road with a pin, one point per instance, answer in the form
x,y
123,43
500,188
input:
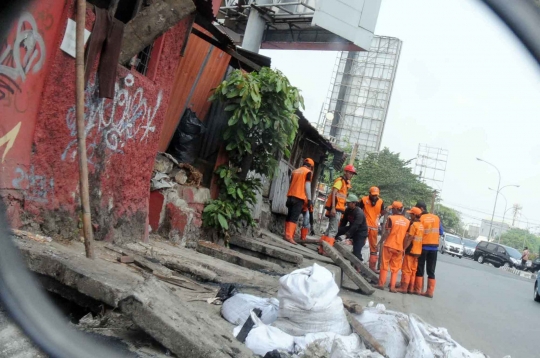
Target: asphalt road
x,y
482,307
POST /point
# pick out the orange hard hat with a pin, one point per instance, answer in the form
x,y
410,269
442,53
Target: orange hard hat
x,y
374,190
415,211
350,168
397,205
309,161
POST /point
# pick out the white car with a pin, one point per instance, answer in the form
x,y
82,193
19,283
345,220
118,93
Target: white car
x,y
453,245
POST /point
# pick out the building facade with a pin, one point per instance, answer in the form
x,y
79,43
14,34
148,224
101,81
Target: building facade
x,y
356,109
498,228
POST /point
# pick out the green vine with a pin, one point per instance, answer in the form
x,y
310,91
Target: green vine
x,y
262,125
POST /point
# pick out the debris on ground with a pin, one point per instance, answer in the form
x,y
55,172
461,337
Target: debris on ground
x,y
168,172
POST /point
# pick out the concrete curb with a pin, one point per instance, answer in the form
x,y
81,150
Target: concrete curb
x,y
520,273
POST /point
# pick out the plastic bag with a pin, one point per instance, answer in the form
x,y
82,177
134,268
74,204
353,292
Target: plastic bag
x,y
263,339
309,303
237,309
428,341
185,143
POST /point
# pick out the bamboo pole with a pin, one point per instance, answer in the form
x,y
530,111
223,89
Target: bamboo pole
x,y
81,135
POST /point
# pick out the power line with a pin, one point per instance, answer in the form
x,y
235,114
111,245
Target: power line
x,y
483,212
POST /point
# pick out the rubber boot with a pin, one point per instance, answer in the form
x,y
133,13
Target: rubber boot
x,y
430,288
303,233
382,280
418,285
411,285
373,262
290,228
393,279
405,279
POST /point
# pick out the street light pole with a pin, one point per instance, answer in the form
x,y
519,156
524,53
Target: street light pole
x,y
496,195
505,206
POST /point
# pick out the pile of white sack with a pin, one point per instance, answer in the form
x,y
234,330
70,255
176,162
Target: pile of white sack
x,y
309,313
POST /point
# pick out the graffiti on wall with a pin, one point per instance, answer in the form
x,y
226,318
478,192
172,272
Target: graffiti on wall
x,y
9,139
37,188
127,117
25,54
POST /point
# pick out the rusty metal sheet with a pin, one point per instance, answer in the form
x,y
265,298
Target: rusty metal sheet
x,y
201,69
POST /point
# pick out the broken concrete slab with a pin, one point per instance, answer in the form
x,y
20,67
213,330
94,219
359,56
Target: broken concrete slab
x,y
364,270
362,284
237,258
307,253
178,258
265,249
153,305
158,311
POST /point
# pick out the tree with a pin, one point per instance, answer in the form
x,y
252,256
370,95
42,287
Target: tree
x,y
451,219
518,238
394,178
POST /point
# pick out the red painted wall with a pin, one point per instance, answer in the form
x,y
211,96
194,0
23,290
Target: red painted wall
x,y
122,139
25,60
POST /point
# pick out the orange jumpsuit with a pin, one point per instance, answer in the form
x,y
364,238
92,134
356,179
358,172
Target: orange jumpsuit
x,y
392,255
410,261
372,213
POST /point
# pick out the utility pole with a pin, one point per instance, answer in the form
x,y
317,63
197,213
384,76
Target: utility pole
x,y
434,196
516,208
353,154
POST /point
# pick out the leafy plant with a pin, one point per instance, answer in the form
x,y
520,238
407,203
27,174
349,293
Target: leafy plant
x,y
262,125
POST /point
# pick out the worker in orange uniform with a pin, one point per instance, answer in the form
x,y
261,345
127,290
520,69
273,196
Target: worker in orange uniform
x,y
392,252
335,204
373,207
413,249
299,192
430,245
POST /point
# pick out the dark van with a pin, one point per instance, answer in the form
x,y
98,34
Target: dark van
x,y
498,255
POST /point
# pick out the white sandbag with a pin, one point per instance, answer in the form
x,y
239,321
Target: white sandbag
x,y
309,303
310,288
388,328
237,309
263,339
349,343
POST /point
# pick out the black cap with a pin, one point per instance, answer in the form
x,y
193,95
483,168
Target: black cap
x,y
421,205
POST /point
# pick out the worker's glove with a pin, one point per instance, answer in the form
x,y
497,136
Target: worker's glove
x,y
309,205
340,238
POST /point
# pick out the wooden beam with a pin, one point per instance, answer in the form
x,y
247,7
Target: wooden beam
x,y
366,337
370,275
152,22
358,280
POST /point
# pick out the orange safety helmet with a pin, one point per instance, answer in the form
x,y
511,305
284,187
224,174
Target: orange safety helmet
x,y
350,168
374,190
310,162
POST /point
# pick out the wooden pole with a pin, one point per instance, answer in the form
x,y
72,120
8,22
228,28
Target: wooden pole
x,y
81,135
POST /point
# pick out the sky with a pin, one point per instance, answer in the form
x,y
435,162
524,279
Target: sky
x,y
465,84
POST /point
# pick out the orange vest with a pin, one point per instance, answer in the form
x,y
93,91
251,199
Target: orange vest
x,y
431,224
400,224
372,213
298,183
417,232
341,196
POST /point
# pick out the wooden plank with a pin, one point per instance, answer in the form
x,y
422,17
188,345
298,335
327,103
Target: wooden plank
x,y
237,258
280,186
367,338
353,307
358,280
364,270
268,250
